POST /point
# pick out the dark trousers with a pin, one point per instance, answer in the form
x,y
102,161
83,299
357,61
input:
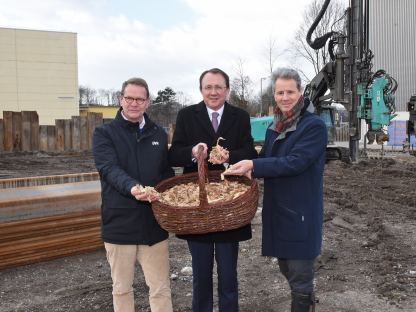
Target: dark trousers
x,y
299,274
226,255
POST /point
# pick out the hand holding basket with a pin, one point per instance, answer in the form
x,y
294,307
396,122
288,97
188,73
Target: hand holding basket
x,y
206,218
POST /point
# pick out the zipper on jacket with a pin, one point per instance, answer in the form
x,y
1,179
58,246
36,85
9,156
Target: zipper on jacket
x,y
136,152
137,137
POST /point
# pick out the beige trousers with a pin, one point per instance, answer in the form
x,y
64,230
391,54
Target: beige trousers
x,y
154,261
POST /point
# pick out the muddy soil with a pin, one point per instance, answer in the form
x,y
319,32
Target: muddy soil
x,y
368,261
20,165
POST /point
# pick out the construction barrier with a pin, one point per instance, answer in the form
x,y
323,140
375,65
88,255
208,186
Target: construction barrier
x,y
20,131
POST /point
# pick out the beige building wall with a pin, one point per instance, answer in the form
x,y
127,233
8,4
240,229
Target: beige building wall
x,y
39,71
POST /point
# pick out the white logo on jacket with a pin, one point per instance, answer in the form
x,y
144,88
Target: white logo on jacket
x,y
155,142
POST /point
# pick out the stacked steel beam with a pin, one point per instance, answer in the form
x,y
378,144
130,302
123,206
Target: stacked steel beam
x,y
40,223
45,238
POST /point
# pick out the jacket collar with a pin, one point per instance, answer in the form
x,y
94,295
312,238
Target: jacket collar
x,y
134,126
227,119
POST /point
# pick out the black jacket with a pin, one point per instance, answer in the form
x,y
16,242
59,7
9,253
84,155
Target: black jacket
x,y
124,158
194,126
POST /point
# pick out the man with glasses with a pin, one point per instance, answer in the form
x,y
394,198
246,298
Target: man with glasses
x,y
131,151
197,126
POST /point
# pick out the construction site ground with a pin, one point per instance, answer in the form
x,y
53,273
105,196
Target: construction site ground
x,y
368,260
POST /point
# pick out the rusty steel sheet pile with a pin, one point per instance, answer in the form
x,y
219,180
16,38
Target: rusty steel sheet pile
x,y
44,222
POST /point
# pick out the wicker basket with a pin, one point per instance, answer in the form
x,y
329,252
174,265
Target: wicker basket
x,y
206,218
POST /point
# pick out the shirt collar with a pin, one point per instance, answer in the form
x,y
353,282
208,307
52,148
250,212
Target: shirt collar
x,y
220,111
141,125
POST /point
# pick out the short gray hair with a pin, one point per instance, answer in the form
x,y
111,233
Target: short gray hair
x,y
287,74
137,82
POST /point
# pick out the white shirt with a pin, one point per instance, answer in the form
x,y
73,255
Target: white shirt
x,y
220,112
141,125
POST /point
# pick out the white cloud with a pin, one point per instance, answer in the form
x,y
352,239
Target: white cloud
x,y
113,47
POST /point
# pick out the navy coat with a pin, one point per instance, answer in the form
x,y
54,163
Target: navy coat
x,y
194,126
124,158
292,169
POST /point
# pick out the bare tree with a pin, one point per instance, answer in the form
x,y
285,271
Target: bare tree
x,y
164,107
115,97
104,97
272,54
241,87
87,95
299,49
183,99
266,92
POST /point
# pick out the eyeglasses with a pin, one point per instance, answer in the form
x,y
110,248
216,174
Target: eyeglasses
x,y
215,88
130,100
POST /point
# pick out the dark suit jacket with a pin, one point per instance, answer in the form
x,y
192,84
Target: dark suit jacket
x,y
194,126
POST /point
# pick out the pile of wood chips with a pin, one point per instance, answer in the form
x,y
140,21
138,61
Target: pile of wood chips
x,y
148,190
218,153
187,195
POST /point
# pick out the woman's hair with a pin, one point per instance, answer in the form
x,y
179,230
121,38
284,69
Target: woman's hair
x,y
287,74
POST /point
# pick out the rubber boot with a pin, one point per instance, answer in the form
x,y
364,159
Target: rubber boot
x,y
303,302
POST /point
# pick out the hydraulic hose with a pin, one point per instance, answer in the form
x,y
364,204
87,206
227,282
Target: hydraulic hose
x,y
320,41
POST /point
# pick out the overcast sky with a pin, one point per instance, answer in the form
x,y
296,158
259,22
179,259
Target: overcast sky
x,y
170,42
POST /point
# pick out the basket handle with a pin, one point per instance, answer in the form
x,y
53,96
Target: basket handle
x,y
203,200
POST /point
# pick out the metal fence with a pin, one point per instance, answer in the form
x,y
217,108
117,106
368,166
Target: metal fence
x,y
342,133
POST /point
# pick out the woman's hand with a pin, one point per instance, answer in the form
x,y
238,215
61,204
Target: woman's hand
x,y
243,167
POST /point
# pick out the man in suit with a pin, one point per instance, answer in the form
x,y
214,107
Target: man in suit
x,y
200,125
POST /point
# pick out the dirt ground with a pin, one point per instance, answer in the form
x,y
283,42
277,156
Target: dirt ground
x,y
368,260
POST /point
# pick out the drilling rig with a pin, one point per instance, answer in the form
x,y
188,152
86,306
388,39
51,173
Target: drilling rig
x,y
411,123
348,79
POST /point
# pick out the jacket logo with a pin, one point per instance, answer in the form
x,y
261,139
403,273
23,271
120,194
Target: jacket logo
x,y
155,142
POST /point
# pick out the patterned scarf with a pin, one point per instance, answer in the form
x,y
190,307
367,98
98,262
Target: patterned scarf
x,y
284,120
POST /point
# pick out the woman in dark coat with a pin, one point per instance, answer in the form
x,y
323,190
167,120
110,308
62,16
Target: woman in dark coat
x,y
292,164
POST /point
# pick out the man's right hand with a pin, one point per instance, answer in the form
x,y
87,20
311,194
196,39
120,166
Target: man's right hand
x,y
196,150
144,193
